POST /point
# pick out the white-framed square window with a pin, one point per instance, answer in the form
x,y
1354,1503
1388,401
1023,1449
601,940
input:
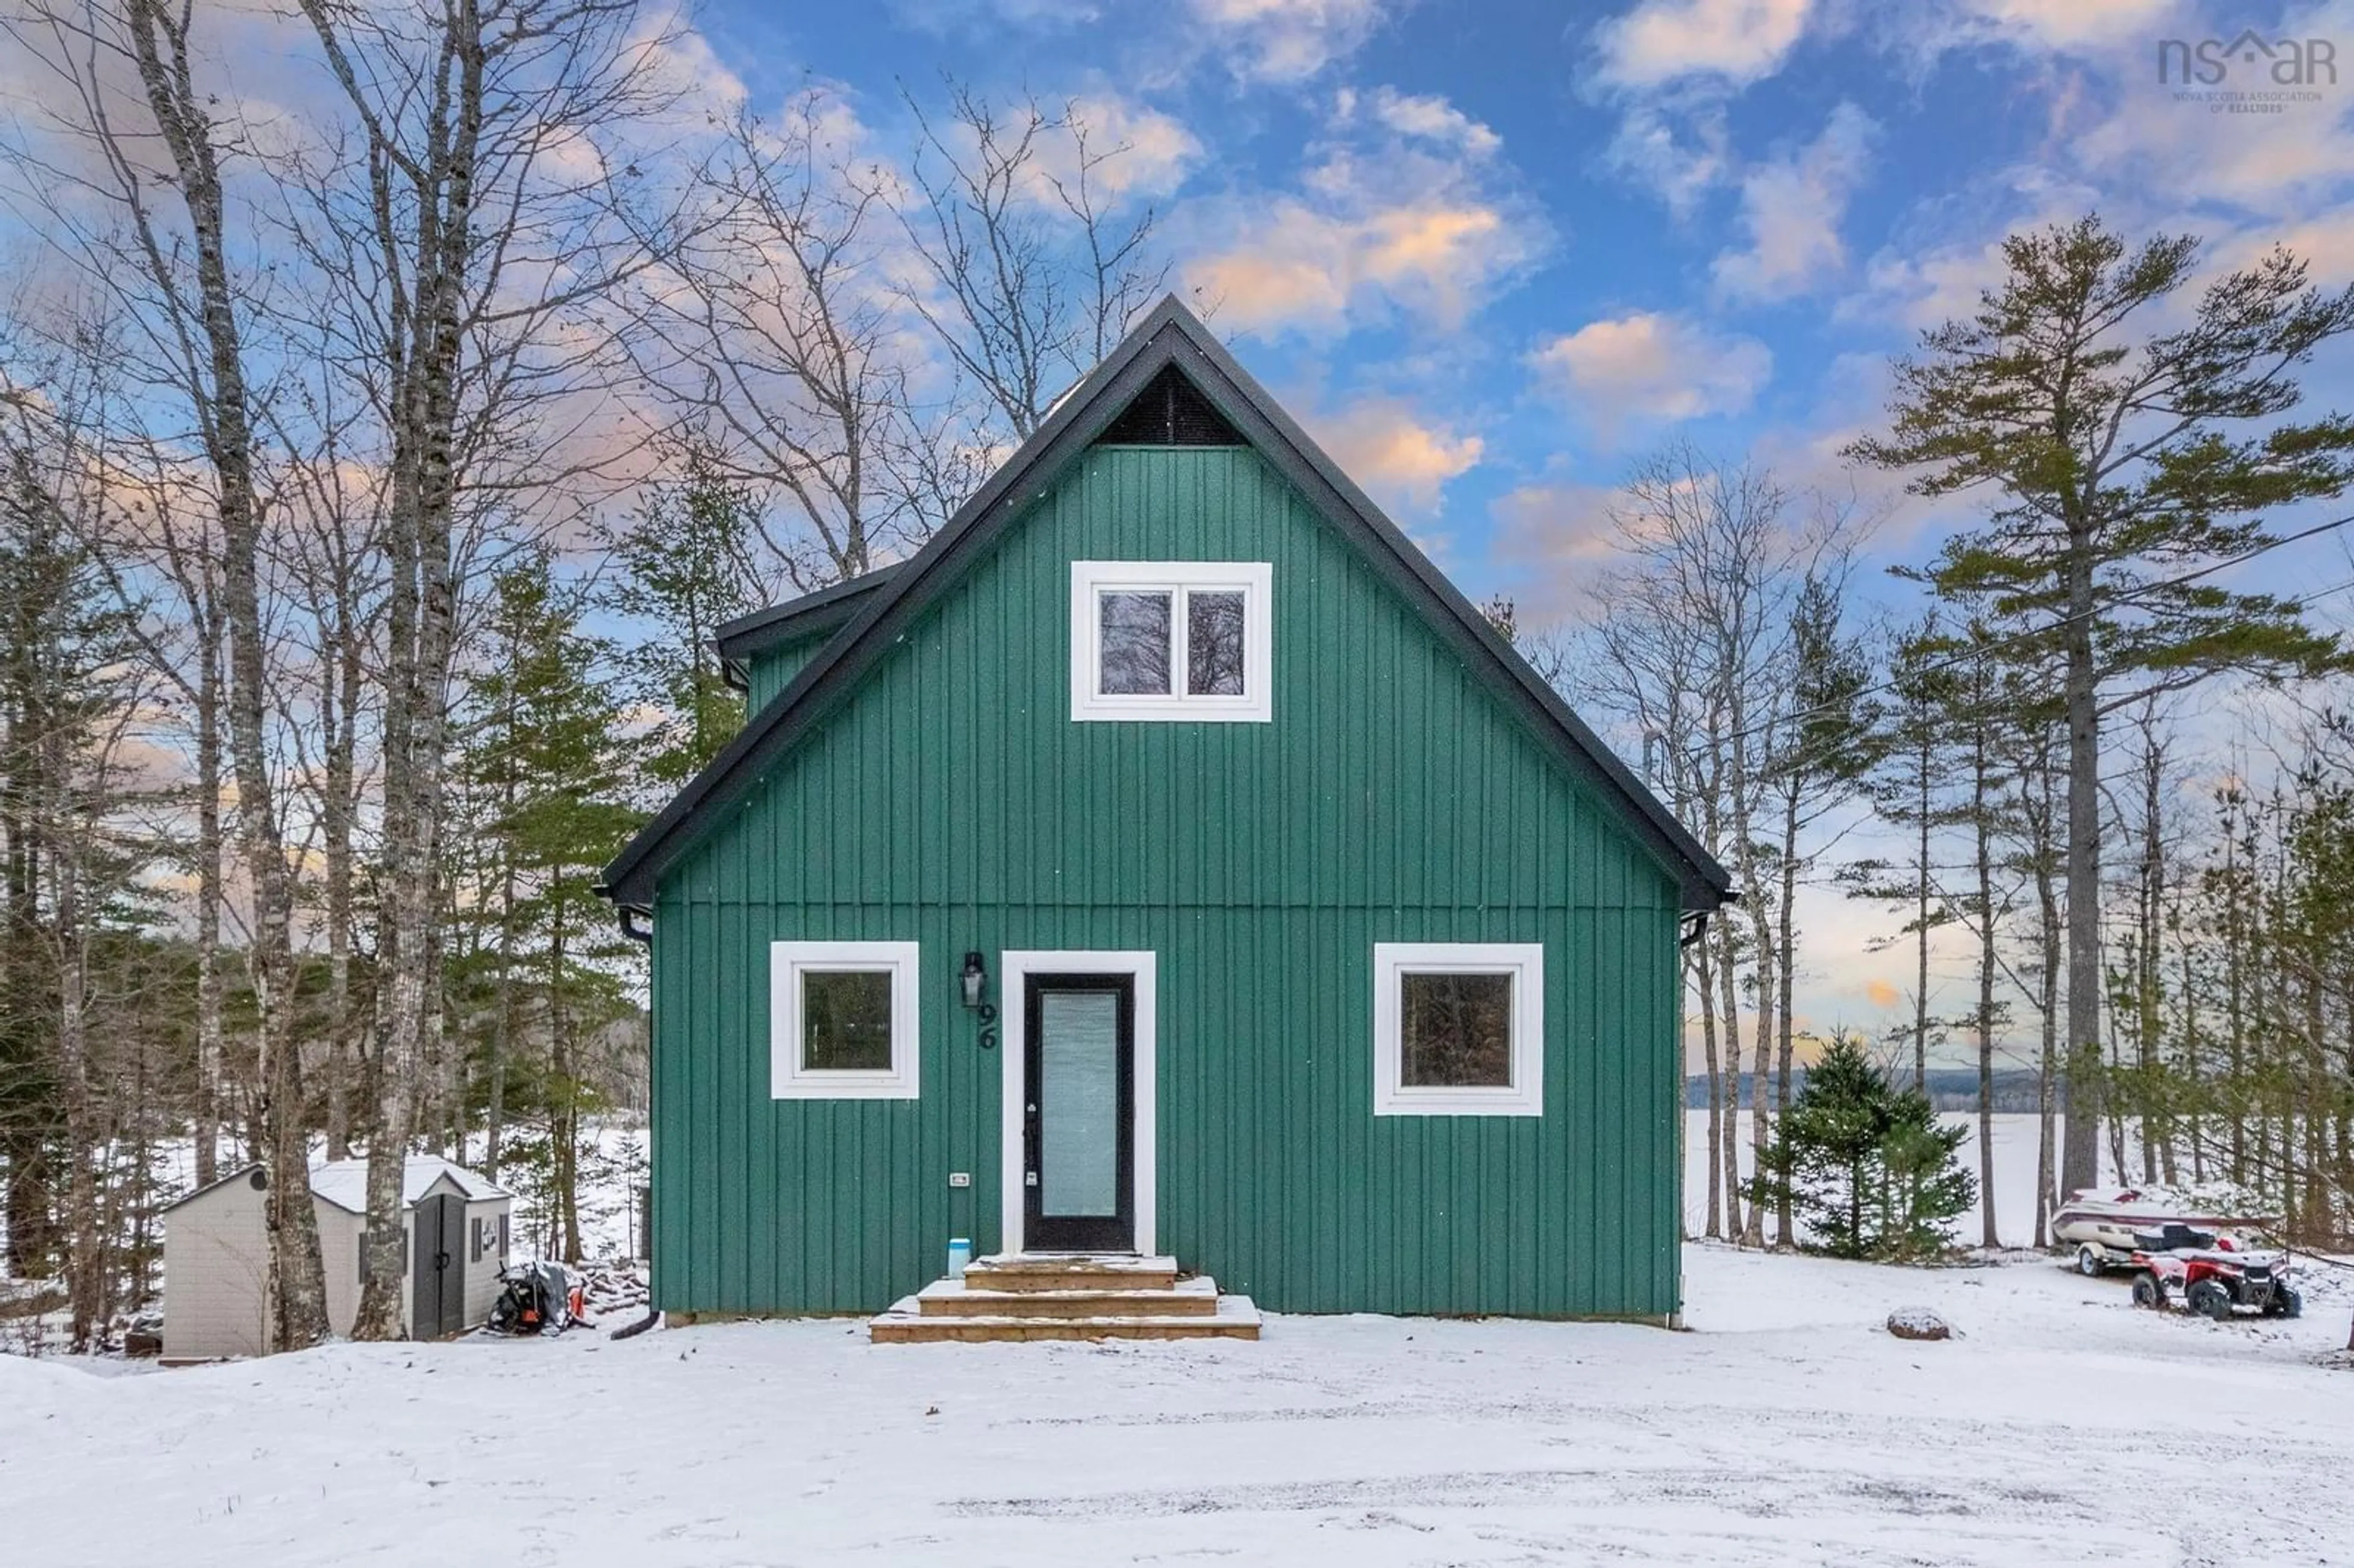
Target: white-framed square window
x,y
842,1020
1173,639
1459,1028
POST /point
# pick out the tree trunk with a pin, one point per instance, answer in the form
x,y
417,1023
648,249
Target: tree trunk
x,y
2048,1062
1761,927
422,611
294,1290
564,1120
2080,1156
1921,928
1786,956
2235,994
1728,1001
207,1120
84,1266
1982,832
1703,981
340,689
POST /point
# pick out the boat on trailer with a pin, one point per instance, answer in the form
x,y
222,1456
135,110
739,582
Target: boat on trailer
x,y
2105,1227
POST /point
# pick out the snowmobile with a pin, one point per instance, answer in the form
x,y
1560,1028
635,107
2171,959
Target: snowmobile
x,y
2211,1276
534,1298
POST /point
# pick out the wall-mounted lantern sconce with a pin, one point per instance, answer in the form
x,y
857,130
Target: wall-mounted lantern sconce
x,y
976,979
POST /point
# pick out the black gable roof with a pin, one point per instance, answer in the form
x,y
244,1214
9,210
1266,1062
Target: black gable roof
x,y
1171,338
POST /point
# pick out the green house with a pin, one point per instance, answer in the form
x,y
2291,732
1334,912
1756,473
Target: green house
x,y
1165,859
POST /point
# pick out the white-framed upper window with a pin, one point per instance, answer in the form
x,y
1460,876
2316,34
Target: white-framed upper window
x,y
842,1020
1171,639
1459,1028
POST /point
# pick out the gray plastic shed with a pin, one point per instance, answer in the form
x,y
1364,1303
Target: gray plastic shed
x,y
214,1254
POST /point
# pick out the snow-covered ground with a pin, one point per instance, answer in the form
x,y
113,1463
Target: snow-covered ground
x,y
2063,1426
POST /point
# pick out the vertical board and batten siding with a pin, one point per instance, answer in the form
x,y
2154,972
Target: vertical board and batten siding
x,y
771,670
953,802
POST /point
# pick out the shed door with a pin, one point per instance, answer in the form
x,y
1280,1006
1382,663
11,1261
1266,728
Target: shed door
x,y
439,1306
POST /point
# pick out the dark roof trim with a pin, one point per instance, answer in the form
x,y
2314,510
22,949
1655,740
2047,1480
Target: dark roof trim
x,y
1169,336
797,619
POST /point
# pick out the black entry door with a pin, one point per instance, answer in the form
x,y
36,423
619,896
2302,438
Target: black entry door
x,y
439,1305
1080,1082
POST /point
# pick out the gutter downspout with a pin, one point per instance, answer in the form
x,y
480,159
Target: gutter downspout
x,y
645,934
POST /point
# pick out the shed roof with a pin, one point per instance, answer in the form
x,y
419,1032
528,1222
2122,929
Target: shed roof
x,y
881,612
344,1183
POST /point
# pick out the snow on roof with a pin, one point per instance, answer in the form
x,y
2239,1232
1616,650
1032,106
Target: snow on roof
x,y
344,1183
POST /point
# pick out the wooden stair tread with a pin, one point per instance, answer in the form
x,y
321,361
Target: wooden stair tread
x,y
1075,1271
962,1298
907,1323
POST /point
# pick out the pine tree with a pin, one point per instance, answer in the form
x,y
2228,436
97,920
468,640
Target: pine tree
x,y
547,773
74,860
686,567
1866,1166
2123,468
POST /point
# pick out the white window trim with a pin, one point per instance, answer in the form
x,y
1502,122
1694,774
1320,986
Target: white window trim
x,y
1015,968
788,1079
1256,579
1524,961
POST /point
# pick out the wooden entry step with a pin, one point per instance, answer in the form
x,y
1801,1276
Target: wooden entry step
x,y
1068,1298
1070,1271
960,1298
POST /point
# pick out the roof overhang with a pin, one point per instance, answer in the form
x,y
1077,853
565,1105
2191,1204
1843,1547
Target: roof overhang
x,y
819,614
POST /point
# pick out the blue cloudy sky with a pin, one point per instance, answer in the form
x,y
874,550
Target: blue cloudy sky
x,y
1491,252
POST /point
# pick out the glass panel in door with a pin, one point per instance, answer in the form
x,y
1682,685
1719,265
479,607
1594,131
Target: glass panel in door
x,y
1081,1094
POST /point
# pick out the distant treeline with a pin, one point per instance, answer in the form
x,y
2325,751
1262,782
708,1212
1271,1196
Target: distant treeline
x,y
1950,1089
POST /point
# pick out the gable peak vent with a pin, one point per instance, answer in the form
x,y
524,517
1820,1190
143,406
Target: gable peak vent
x,y
1170,412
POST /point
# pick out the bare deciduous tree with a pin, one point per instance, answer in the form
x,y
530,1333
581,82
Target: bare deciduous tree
x,y
1032,269
495,219
779,344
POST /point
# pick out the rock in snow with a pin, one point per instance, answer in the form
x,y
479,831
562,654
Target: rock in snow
x,y
1918,1323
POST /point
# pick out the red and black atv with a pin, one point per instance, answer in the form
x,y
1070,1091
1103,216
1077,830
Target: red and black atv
x,y
2210,1275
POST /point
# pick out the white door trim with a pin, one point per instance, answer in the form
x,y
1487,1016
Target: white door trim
x,y
1014,969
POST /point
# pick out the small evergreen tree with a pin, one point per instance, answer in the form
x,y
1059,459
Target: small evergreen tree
x,y
543,777
1866,1166
686,566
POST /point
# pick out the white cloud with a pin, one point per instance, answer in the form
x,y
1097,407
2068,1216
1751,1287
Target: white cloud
x,y
1952,250
682,60
1426,118
1792,208
2050,25
1734,41
1651,365
1382,220
1157,150
2278,165
1403,460
1288,40
1675,163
